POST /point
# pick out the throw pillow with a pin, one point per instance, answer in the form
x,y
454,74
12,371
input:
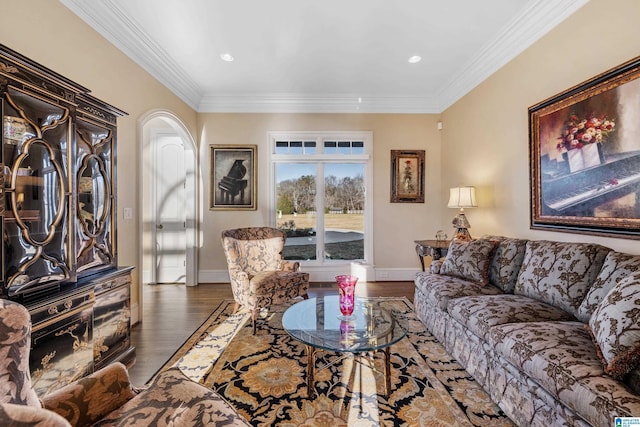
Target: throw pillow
x,y
559,273
614,327
506,262
616,267
469,260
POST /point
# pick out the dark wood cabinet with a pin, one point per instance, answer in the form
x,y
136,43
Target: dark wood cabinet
x,y
58,215
112,319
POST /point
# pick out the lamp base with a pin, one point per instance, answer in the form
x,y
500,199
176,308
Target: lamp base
x,y
462,234
461,225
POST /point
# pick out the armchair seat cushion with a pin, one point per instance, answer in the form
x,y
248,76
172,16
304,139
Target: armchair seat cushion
x,y
276,287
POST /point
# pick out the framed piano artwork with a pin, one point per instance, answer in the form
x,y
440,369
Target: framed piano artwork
x,y
584,150
233,181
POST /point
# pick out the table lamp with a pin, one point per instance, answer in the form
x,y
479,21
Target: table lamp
x,y
460,198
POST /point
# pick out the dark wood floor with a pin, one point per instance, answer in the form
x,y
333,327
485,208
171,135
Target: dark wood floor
x,y
171,313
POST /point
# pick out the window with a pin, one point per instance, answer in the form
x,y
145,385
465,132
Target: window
x,y
321,187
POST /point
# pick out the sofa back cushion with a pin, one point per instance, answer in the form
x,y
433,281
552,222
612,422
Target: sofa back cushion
x,y
469,260
559,273
506,262
616,267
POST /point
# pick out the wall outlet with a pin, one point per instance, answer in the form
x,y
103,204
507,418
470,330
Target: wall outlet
x,y
128,213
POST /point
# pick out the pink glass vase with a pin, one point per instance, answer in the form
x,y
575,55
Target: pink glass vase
x,y
346,287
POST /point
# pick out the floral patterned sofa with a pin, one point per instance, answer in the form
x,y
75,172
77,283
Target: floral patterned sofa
x,y
105,398
550,329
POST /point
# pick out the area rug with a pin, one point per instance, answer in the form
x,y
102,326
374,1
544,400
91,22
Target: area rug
x,y
264,376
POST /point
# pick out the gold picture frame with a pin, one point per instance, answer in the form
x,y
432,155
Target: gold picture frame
x,y
233,182
584,154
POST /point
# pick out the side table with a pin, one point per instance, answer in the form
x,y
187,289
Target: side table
x,y
436,249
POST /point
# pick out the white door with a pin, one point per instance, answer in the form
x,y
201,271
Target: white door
x,y
170,202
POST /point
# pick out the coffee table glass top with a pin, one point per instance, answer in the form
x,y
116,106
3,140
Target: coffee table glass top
x,y
318,322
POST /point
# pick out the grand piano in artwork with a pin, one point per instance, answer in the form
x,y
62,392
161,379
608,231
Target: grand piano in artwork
x,y
232,184
582,193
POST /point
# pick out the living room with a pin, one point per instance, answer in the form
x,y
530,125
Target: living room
x,y
490,151
484,140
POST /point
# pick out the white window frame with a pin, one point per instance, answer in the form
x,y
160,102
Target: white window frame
x,y
321,264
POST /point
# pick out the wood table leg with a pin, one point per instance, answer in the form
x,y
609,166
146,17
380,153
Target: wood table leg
x,y
311,362
387,370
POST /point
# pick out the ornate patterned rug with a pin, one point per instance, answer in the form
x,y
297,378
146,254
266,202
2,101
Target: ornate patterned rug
x,y
264,377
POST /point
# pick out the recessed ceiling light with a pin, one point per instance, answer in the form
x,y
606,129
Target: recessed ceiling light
x,y
226,57
415,59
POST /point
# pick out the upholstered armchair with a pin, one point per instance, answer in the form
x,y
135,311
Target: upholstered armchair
x,y
105,398
259,276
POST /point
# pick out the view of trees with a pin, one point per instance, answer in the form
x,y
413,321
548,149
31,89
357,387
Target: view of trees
x,y
298,195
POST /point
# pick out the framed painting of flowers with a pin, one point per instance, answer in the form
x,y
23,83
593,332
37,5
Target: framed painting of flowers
x,y
407,176
584,151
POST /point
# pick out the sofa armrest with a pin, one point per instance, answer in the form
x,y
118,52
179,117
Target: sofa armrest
x,y
12,414
290,265
89,399
435,266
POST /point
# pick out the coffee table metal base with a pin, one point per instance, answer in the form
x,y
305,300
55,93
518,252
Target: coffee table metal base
x,y
370,355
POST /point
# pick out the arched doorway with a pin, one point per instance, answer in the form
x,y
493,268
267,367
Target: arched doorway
x,y
169,202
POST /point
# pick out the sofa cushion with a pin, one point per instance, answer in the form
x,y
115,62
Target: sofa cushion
x,y
616,267
480,313
562,359
438,289
614,327
173,399
559,273
506,262
469,260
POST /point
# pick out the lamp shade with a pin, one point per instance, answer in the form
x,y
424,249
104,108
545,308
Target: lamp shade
x,y
462,197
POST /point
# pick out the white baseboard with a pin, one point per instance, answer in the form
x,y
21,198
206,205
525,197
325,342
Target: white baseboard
x,y
396,274
213,276
365,272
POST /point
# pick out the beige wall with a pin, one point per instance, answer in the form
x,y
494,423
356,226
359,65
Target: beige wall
x,y
396,225
50,34
485,137
484,141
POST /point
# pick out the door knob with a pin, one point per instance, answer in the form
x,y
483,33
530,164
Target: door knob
x,y
159,226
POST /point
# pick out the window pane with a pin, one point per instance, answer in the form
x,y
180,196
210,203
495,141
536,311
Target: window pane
x,y
295,147
282,147
357,147
344,208
330,147
296,208
310,147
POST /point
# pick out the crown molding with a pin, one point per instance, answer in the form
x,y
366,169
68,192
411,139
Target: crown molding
x,y
315,103
124,33
536,19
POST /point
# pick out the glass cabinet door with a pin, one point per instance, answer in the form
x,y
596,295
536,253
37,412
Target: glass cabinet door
x,y
36,150
94,216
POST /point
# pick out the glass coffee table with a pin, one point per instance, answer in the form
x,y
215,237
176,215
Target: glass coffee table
x,y
318,324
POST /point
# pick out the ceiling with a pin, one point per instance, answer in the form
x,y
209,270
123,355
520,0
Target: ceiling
x,y
322,56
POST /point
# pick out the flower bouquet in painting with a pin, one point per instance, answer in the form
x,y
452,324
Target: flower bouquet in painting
x,y
582,138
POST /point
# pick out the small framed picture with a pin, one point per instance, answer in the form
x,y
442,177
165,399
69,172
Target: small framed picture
x,y
407,176
233,180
